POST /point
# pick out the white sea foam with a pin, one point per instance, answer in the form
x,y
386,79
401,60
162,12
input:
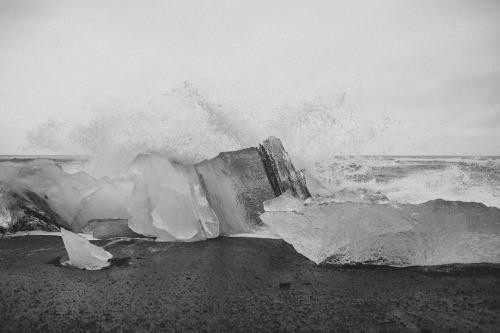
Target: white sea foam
x,y
453,182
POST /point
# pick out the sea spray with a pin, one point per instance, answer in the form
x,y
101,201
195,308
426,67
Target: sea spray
x,y
187,126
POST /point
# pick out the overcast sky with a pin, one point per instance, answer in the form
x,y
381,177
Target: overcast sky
x,y
435,65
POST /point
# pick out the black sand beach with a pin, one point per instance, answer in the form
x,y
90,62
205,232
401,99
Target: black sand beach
x,y
234,284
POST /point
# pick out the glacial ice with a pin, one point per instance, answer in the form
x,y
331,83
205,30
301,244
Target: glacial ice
x,y
109,228
65,193
82,253
24,210
166,202
284,203
280,170
237,185
108,201
169,201
433,233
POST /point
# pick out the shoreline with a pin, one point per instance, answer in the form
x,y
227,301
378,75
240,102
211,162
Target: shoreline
x,y
234,284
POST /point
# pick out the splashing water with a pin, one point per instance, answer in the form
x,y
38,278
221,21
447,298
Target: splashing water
x,y
415,181
187,126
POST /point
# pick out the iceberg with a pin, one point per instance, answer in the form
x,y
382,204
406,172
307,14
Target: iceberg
x,y
167,203
43,183
434,233
236,184
108,201
82,253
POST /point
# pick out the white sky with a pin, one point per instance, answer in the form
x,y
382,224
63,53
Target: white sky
x,y
433,64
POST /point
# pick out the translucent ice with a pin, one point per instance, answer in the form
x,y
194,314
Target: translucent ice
x,y
166,202
82,253
64,193
108,201
436,232
237,184
109,228
280,170
284,203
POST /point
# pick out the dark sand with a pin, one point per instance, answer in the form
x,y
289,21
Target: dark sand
x,y
233,284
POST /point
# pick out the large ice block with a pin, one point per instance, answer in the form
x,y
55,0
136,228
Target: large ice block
x,y
82,253
236,184
108,201
166,202
64,193
436,232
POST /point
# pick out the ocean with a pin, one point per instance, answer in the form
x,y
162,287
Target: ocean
x,y
416,179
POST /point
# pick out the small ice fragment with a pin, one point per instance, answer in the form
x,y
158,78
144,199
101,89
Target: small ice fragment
x,y
82,253
284,203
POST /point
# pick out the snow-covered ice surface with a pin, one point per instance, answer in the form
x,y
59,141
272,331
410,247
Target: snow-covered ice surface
x,y
433,233
82,253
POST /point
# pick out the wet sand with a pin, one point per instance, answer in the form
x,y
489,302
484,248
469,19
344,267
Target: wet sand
x,y
234,284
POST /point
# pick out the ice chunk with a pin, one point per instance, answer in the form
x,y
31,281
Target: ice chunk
x,y
284,203
319,230
105,229
67,195
236,184
107,202
395,249
166,202
280,170
433,233
24,210
207,217
82,253
64,193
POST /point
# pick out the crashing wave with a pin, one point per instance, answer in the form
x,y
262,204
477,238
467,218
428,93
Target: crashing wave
x,y
398,181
